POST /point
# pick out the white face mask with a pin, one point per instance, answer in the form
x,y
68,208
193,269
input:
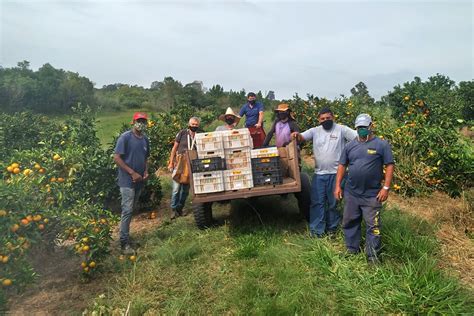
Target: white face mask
x,y
141,127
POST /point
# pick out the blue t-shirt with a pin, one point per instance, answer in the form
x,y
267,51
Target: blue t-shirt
x,y
134,151
366,161
251,114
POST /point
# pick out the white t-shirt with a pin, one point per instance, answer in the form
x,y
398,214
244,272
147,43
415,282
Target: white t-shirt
x,y
328,146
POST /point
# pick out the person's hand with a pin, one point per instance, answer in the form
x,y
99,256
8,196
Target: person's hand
x,y
171,166
145,175
338,193
294,135
383,195
136,177
258,125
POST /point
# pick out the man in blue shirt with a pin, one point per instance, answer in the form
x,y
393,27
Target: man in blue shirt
x,y
366,157
253,111
131,154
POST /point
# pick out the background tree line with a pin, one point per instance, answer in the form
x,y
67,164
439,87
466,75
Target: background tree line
x,y
51,90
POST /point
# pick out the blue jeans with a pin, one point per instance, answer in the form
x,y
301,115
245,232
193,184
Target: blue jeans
x,y
323,216
355,209
179,194
129,201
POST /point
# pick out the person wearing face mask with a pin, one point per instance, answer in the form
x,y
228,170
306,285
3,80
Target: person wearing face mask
x,y
184,141
231,120
364,192
253,111
131,154
283,126
328,140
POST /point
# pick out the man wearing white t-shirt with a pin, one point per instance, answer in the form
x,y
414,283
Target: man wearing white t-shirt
x,y
328,140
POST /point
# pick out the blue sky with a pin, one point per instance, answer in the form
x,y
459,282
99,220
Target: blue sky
x,y
317,47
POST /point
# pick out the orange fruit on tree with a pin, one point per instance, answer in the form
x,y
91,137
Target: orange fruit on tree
x,y
85,248
46,221
5,259
10,169
15,165
7,282
53,179
85,240
29,218
3,213
406,98
24,222
60,180
133,258
86,269
56,157
41,226
37,218
41,170
15,227
37,166
83,264
92,264
16,170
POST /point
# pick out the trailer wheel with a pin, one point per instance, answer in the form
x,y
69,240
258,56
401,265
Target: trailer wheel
x,y
304,197
203,215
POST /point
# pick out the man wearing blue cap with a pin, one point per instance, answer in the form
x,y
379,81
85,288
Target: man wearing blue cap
x,y
364,193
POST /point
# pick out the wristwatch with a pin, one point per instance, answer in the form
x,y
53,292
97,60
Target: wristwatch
x,y
386,188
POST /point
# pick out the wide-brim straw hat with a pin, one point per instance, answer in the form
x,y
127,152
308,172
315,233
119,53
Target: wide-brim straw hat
x,y
282,107
229,111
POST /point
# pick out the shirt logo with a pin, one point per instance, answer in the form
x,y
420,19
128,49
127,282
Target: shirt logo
x,y
371,151
332,136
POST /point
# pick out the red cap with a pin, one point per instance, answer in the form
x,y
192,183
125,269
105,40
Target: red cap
x,y
139,115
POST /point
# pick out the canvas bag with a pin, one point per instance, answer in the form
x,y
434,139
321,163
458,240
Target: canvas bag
x,y
181,172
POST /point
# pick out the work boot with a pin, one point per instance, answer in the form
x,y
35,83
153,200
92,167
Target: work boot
x,y
174,214
127,250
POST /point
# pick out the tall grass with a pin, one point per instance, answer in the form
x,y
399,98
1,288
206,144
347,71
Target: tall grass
x,y
261,261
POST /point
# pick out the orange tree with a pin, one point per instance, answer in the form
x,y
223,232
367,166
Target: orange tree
x,y
53,188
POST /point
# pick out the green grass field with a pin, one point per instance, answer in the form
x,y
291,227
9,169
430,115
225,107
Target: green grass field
x,y
261,261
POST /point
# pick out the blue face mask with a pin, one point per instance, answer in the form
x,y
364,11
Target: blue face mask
x,y
363,132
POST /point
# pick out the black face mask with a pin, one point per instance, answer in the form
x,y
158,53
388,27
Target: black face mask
x,y
327,125
252,102
193,128
282,115
230,120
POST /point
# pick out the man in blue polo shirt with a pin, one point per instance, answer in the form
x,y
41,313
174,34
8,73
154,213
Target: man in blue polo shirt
x,y
253,111
364,193
131,155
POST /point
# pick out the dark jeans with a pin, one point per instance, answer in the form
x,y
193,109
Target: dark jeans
x,y
323,216
354,210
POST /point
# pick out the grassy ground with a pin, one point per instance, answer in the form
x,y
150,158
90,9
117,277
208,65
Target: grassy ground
x,y
261,261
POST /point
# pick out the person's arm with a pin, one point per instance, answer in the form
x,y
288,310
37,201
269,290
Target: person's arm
x,y
349,133
388,161
172,155
145,174
301,137
260,119
269,136
341,171
119,161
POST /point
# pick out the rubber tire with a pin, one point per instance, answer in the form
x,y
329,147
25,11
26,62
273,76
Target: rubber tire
x,y
304,197
203,215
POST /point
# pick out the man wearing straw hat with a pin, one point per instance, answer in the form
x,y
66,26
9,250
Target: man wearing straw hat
x,y
283,126
231,120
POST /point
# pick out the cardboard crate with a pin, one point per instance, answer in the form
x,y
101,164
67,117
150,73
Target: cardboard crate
x,y
238,179
237,158
208,182
209,141
265,152
237,138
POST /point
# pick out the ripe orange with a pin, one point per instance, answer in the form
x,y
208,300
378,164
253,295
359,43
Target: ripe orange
x,y
37,166
83,264
46,221
85,248
15,227
29,218
10,169
24,222
133,258
56,157
86,269
406,98
3,213
15,165
16,170
92,264
37,218
60,180
103,221
41,170
53,179
5,259
41,226
85,240
7,282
